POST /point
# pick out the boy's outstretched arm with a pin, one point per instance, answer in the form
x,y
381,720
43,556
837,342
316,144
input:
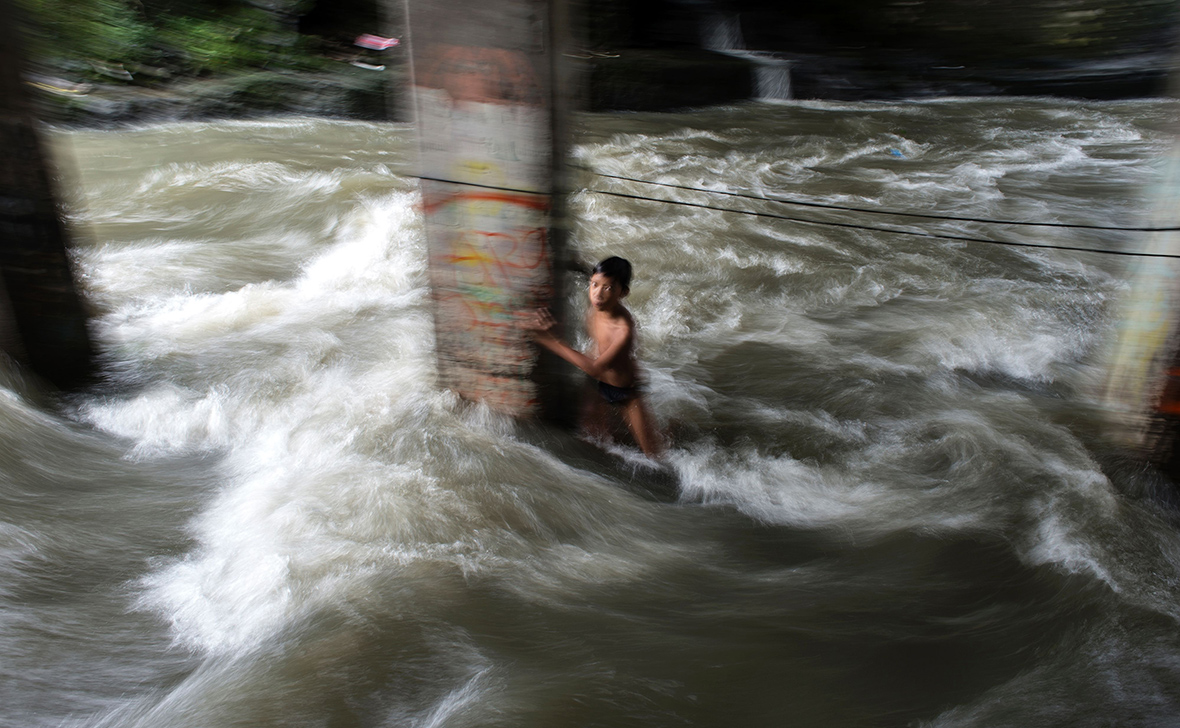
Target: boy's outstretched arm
x,y
541,323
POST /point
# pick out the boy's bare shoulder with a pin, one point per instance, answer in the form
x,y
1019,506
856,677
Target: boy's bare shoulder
x,y
628,321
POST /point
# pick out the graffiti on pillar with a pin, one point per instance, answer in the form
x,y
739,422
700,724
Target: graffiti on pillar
x,y
485,144
1148,336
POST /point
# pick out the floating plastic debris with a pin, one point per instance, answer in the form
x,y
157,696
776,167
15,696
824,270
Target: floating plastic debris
x,y
375,42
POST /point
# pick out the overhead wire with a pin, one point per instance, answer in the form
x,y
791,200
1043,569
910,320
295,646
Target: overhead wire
x,y
872,211
895,231
852,226
871,228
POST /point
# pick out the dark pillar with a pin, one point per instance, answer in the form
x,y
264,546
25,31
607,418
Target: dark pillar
x,y
45,320
489,102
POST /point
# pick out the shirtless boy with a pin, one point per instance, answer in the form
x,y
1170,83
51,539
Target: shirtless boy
x,y
612,360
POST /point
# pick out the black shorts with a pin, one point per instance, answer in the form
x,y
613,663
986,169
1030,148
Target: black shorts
x,y
617,395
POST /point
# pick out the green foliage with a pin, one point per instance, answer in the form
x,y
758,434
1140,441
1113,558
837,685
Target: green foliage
x,y
104,37
107,31
219,44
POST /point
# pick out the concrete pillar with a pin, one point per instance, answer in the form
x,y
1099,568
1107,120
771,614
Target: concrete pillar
x,y
1141,391
490,112
44,317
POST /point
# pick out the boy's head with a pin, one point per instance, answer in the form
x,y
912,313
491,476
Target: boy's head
x,y
610,281
617,269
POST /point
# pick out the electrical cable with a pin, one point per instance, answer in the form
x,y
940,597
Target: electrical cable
x,y
940,236
853,226
870,211
497,188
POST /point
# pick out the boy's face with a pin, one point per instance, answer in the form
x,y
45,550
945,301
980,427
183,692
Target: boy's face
x,y
605,293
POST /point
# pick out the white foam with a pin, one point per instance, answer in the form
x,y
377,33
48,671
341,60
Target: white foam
x,y
342,468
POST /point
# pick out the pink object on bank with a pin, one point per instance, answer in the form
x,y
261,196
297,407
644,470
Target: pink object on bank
x,y
375,42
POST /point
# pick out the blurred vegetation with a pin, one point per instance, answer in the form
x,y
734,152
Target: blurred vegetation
x,y
146,41
1020,29
103,30
243,53
953,30
154,39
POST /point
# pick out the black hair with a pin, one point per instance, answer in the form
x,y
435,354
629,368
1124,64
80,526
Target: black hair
x,y
617,269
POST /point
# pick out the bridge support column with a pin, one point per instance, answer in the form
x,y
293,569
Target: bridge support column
x,y
44,321
490,112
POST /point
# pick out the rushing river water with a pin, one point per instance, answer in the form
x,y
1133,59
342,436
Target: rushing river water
x,y
895,506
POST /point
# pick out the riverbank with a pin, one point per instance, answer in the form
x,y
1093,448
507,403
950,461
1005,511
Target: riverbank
x,y
626,80
349,92
635,79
